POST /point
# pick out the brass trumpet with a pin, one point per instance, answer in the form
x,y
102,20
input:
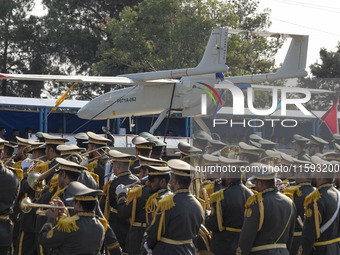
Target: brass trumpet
x,y
103,148
26,205
37,180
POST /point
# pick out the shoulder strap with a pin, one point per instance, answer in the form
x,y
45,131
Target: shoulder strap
x,y
331,220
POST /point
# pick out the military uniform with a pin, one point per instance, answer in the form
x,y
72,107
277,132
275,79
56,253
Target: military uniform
x,y
226,218
97,165
133,207
178,218
269,221
321,232
82,233
9,190
64,194
109,201
298,194
140,144
303,155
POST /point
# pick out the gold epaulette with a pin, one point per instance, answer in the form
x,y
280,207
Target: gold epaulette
x,y
17,164
53,182
256,198
95,177
210,188
202,202
132,197
58,193
314,196
134,193
151,206
217,196
106,189
104,222
19,172
291,190
91,166
42,167
106,186
166,203
254,191
67,224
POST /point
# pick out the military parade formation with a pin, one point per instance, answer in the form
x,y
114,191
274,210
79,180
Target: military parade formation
x,y
91,198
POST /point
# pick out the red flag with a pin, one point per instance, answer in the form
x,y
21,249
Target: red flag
x,y
331,118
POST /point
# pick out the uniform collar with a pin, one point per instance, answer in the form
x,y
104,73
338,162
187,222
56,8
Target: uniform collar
x,y
86,214
182,191
268,190
328,185
124,173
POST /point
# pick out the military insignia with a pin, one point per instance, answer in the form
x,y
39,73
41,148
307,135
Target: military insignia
x,y
249,212
238,251
309,212
49,234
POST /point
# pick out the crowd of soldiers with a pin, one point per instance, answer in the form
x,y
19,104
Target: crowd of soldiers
x,y
93,199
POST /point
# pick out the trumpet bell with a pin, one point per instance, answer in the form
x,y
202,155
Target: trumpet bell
x,y
33,181
24,205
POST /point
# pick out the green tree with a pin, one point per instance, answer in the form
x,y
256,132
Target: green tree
x,y
325,75
169,34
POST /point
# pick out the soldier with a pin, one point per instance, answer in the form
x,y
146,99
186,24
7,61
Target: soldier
x,y
299,146
71,153
250,153
9,189
7,153
70,172
255,138
298,193
82,140
187,150
321,232
37,151
213,179
178,217
143,148
97,157
158,149
21,154
132,206
214,146
109,202
270,217
267,144
200,139
82,233
226,218
316,146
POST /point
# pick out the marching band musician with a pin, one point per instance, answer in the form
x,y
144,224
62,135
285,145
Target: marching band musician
x,y
121,163
316,146
178,217
269,217
226,218
144,148
302,188
82,233
132,206
97,157
321,232
9,190
299,146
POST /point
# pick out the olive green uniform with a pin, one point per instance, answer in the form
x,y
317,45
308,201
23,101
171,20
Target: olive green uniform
x,y
298,194
177,222
226,223
268,225
323,203
9,190
84,236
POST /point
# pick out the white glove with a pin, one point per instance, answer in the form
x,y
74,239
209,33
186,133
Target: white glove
x,y
120,189
148,250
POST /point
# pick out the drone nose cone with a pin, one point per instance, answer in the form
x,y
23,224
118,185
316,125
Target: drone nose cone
x,y
81,113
